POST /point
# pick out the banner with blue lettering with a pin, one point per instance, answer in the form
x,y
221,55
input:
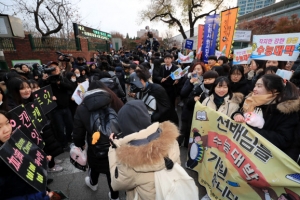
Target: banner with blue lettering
x,y
210,35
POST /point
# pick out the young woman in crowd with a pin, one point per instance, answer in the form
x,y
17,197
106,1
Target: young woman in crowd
x,y
33,85
194,79
257,68
199,93
275,63
71,77
97,98
238,81
277,102
19,92
78,75
12,186
221,97
3,101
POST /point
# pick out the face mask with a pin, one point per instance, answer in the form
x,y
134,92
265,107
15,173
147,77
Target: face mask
x,y
208,86
1,102
73,79
134,88
77,75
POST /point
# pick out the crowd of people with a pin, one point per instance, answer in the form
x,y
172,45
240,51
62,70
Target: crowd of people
x,y
150,123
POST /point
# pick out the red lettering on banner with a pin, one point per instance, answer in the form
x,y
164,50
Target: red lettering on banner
x,y
278,50
260,50
269,50
289,49
242,163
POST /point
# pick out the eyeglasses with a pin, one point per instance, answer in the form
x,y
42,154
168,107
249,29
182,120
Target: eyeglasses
x,y
236,74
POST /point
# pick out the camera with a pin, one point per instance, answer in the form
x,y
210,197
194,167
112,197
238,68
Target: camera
x,y
66,58
39,70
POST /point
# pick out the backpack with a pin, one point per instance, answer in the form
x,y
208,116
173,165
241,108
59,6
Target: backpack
x,y
174,184
103,122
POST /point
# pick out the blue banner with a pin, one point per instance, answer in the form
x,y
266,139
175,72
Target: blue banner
x,y
189,44
210,35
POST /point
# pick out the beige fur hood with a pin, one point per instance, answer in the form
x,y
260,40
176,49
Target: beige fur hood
x,y
289,106
149,157
237,98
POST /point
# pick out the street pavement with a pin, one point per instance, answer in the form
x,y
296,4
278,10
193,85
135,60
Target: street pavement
x,y
71,181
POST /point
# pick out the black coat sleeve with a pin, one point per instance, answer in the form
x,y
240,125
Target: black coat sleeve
x,y
79,130
186,89
282,135
162,103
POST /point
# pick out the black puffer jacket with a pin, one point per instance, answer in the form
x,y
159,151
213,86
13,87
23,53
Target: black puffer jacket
x,y
94,101
242,86
281,126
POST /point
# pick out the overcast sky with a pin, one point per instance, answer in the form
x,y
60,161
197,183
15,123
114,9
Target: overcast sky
x,y
117,15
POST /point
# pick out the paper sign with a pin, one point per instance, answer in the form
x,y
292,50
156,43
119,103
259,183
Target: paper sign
x,y
81,89
20,119
280,47
186,59
284,74
26,159
218,53
44,98
242,56
189,44
234,162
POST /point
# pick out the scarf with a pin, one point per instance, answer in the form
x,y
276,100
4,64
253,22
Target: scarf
x,y
257,100
219,100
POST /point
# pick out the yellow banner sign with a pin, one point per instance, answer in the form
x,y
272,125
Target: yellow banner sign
x,y
236,163
227,28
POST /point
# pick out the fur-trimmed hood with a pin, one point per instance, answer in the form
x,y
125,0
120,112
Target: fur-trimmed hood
x,y
237,98
289,106
149,157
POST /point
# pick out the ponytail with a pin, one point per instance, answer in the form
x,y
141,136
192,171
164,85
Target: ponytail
x,y
290,92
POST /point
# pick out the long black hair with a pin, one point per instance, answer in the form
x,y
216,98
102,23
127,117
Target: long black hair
x,y
14,86
220,81
275,84
3,106
235,68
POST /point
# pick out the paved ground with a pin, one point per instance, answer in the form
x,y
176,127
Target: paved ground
x,y
71,181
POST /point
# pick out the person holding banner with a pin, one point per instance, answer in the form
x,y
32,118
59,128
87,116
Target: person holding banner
x,y
275,101
12,186
195,79
222,99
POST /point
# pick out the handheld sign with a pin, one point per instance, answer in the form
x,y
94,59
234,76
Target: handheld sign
x,y
189,44
21,120
26,159
80,91
44,98
36,114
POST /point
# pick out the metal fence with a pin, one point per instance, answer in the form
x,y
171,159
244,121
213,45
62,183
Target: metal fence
x,y
7,44
44,44
92,46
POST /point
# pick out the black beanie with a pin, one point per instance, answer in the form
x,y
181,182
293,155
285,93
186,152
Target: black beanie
x,y
210,74
212,57
224,58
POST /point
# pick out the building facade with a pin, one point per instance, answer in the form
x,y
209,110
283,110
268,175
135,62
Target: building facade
x,y
284,8
247,6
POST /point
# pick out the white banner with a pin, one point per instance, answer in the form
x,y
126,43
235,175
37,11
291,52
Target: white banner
x,y
242,56
242,36
280,47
